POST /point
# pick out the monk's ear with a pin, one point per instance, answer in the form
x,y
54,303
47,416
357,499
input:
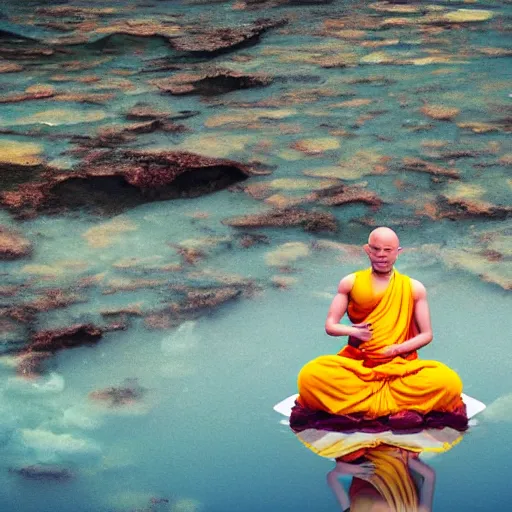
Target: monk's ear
x,y
366,248
399,250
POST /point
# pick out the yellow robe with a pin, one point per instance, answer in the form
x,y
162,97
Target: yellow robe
x,y
391,480
354,381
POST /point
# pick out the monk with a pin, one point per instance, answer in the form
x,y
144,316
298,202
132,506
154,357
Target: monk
x,y
378,375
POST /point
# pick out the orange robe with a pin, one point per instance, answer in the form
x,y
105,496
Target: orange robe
x,y
391,482
354,381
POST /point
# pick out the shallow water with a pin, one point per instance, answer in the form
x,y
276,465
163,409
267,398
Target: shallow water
x,y
202,434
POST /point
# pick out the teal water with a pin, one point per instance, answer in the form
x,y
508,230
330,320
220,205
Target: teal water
x,y
203,435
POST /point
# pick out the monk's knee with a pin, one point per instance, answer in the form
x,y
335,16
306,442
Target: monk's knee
x,y
451,382
308,375
314,373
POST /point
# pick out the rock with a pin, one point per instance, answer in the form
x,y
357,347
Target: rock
x,y
13,246
54,299
128,393
316,146
108,233
210,83
207,41
467,16
247,240
62,116
341,194
143,27
455,208
287,253
481,127
68,337
131,177
361,163
129,285
35,92
418,165
440,112
10,67
31,365
205,298
283,282
44,472
487,255
19,155
313,221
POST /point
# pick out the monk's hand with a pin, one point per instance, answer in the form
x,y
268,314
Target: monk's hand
x,y
362,331
391,351
363,470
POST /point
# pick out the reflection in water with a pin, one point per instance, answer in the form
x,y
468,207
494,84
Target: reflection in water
x,y
384,479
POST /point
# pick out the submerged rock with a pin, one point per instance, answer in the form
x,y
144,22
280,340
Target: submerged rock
x,y
44,472
127,394
17,157
209,83
455,208
207,41
487,256
313,221
440,112
192,302
286,254
67,337
13,246
341,194
109,182
34,92
418,165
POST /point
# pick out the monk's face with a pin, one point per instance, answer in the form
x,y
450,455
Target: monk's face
x,y
382,250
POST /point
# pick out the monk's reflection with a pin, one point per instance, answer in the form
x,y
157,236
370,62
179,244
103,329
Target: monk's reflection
x,y
384,479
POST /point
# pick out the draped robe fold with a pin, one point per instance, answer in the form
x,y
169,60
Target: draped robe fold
x,y
359,381
392,481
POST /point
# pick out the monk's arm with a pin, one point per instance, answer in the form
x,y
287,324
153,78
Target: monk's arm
x,y
338,489
422,318
338,309
426,491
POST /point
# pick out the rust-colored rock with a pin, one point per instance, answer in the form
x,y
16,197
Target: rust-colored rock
x,y
210,83
53,299
30,365
341,194
440,112
68,337
456,208
10,67
207,41
25,52
246,240
110,182
418,165
119,396
13,245
313,221
32,93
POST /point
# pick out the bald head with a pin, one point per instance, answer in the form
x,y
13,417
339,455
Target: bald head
x,y
384,235
382,249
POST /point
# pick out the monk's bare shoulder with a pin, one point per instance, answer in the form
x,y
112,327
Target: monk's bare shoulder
x,y
418,290
346,284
